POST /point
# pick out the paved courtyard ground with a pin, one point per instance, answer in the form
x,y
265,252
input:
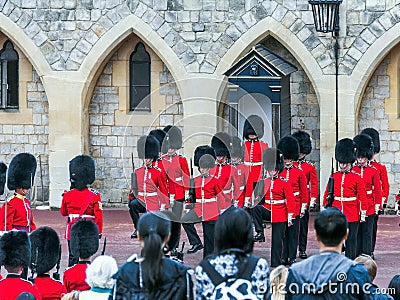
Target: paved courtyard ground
x,y
118,228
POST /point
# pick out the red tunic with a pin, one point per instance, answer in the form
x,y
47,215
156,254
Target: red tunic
x,y
253,151
178,175
384,180
312,179
279,199
209,198
86,204
75,277
241,174
349,193
152,189
298,181
49,288
12,286
225,174
372,184
19,214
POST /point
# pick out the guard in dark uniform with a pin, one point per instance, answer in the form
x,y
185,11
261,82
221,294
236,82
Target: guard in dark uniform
x,y
348,193
178,178
151,182
84,244
45,253
224,172
15,255
278,205
374,134
241,172
81,201
310,171
253,131
290,149
17,208
372,182
210,200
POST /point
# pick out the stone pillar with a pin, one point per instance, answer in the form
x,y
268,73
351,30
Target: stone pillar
x,y
67,129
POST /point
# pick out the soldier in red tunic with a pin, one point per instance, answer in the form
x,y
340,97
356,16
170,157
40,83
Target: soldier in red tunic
x,y
310,171
383,177
290,149
241,173
45,253
81,201
277,205
15,255
84,244
224,172
151,182
178,177
253,131
348,193
17,208
210,199
372,182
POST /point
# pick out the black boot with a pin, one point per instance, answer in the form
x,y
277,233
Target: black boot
x,y
134,234
303,254
259,237
195,248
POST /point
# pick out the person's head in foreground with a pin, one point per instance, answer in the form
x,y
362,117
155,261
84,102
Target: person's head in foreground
x,y
369,264
100,271
154,230
233,230
26,296
394,287
15,251
278,278
331,229
84,241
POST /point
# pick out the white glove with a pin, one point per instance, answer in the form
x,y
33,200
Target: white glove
x,y
383,201
186,195
162,208
235,203
396,208
377,209
290,219
303,208
312,202
247,202
171,200
363,215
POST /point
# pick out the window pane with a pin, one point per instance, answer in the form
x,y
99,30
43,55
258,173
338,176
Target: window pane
x,y
9,76
140,97
12,81
140,79
140,74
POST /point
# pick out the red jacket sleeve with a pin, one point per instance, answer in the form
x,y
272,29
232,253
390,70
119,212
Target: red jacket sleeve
x,y
10,215
98,213
377,189
385,183
305,197
313,182
162,188
325,202
222,199
185,173
290,201
32,222
362,194
63,208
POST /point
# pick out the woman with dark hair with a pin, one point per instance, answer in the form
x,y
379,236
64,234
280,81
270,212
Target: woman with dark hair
x,y
394,287
233,245
153,276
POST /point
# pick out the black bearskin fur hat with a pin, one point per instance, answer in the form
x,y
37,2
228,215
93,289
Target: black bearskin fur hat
x,y
304,140
3,173
273,160
148,147
162,138
204,157
374,134
289,147
175,136
21,171
15,249
364,146
222,143
253,125
84,240
345,151
237,147
81,171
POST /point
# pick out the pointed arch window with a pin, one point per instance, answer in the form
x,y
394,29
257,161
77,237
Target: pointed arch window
x,y
139,79
9,76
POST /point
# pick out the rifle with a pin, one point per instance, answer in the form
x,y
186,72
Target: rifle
x,y
192,192
134,186
34,266
331,196
56,274
104,246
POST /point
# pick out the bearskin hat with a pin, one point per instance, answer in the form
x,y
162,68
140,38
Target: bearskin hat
x,y
289,147
304,140
84,241
273,160
374,134
15,249
21,171
345,151
364,146
162,138
3,172
81,171
237,147
253,125
204,157
148,147
222,143
175,136
45,249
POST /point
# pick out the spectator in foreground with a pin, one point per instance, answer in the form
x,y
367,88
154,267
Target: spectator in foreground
x,y
153,276
278,279
369,264
26,296
233,245
394,287
330,275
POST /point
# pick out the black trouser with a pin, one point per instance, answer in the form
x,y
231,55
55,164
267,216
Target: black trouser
x,y
374,230
208,235
291,240
351,242
72,260
364,236
176,224
135,208
259,214
188,221
303,232
277,240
